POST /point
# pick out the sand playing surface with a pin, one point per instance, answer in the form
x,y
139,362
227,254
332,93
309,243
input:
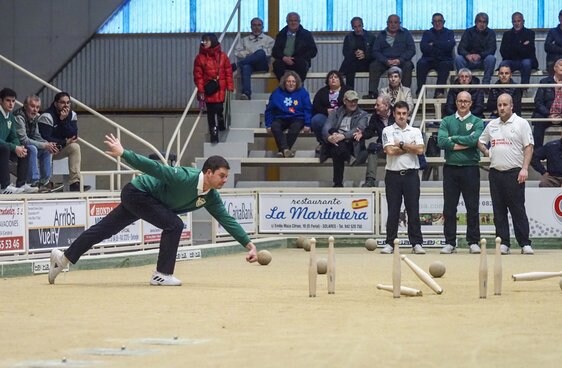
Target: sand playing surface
x,y
230,313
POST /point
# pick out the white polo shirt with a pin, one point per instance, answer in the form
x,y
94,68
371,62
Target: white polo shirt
x,y
508,140
408,135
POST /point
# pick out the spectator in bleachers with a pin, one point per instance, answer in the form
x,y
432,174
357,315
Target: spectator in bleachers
x,y
39,150
380,119
253,53
394,46
477,48
458,137
294,48
552,174
343,138
357,51
326,100
289,108
548,104
59,124
395,90
465,77
212,73
518,48
504,78
11,148
402,145
553,45
437,45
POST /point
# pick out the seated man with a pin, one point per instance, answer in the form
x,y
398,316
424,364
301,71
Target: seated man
x,y
59,124
395,90
477,48
294,48
437,45
552,174
357,51
379,120
394,46
465,78
518,48
39,150
553,45
548,104
343,134
253,53
10,147
504,78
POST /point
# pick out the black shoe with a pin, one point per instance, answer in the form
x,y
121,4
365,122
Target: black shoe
x,y
338,185
222,125
360,159
214,133
50,187
369,183
75,187
324,154
370,96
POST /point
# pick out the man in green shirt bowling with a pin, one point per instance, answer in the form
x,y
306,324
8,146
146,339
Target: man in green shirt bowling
x,y
158,197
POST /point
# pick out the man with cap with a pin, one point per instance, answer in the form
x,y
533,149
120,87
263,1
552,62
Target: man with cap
x,y
342,134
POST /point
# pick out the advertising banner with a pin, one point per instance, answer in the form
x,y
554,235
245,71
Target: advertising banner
x,y
316,213
53,224
99,208
12,227
242,208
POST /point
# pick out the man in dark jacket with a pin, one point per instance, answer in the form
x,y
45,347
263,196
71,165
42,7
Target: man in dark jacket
x,y
437,46
505,81
394,46
548,104
477,94
59,124
518,49
553,45
294,48
357,51
477,48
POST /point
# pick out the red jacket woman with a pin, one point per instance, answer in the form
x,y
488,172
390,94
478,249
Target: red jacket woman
x,y
211,63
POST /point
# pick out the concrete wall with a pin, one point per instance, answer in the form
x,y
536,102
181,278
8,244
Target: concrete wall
x,y
43,35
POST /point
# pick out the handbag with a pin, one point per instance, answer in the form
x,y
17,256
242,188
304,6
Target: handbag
x,y
211,87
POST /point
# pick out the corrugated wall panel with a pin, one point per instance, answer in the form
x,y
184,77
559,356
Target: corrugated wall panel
x,y
128,73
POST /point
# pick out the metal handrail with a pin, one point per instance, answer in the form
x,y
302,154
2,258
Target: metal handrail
x,y
119,128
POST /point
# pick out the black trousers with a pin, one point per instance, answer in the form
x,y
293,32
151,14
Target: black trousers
x,y
340,154
293,128
351,66
215,117
5,156
508,194
135,205
300,66
406,184
463,180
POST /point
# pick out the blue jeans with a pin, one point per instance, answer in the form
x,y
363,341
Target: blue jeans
x,y
488,64
525,66
317,124
39,161
256,62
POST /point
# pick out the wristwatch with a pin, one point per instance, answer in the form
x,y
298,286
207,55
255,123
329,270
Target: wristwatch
x,y
401,145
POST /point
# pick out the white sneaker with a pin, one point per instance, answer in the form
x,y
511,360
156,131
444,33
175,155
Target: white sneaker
x,y
29,189
161,279
527,249
418,249
448,249
58,263
10,189
504,249
387,249
474,249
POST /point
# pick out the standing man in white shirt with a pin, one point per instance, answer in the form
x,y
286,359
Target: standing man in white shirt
x,y
511,149
402,144
253,53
